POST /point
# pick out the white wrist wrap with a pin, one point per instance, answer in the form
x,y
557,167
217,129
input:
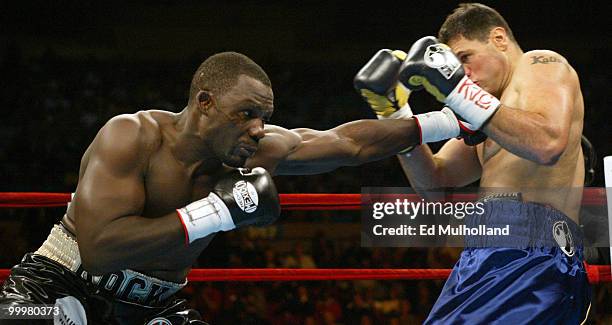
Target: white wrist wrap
x,y
438,125
204,217
473,103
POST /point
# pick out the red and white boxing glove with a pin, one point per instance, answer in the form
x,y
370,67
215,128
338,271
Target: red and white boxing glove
x,y
377,84
433,65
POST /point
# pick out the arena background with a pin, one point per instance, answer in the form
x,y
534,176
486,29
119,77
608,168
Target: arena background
x,y
68,66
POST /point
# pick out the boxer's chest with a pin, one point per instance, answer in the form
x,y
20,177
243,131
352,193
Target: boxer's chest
x,y
490,148
170,185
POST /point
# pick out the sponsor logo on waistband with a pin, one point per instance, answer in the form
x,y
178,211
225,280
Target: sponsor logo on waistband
x,y
563,237
131,286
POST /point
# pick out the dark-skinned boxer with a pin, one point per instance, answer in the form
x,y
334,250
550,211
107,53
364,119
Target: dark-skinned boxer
x,y
155,186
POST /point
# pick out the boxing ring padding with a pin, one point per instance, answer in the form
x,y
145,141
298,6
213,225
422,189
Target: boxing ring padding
x,y
591,196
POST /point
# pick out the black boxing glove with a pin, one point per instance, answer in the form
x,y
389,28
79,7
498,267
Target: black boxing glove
x,y
432,65
377,84
243,197
250,196
469,136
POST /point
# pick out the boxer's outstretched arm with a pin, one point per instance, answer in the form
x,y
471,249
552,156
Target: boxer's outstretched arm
x,y
110,198
307,151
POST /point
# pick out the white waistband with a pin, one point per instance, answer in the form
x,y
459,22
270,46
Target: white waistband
x,y
63,249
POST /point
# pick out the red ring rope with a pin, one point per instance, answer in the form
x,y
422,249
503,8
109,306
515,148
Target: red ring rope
x,y
596,273
591,196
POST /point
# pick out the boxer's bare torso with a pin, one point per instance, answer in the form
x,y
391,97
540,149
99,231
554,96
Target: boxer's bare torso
x,y
534,139
558,185
167,184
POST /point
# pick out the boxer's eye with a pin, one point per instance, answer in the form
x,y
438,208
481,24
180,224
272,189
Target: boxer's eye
x,y
248,113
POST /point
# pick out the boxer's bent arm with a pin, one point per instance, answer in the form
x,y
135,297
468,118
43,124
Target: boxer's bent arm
x,y
454,165
109,201
539,129
307,151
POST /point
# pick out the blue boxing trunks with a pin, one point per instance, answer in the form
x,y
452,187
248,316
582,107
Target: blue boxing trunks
x,y
535,275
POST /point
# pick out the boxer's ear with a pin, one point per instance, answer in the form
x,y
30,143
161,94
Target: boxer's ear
x,y
203,97
499,37
204,101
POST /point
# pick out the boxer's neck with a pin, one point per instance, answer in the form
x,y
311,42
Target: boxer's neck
x,y
190,145
513,54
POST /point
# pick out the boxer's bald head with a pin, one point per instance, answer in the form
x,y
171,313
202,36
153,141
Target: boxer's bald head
x,y
220,72
473,21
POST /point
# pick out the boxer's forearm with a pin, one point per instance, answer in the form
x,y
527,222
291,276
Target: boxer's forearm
x,y
132,242
527,134
425,173
377,139
420,168
350,144
454,165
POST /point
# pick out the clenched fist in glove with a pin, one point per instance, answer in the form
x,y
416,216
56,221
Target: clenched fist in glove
x,y
243,197
432,65
377,82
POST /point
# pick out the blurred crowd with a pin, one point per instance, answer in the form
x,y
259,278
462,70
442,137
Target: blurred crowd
x,y
53,107
319,302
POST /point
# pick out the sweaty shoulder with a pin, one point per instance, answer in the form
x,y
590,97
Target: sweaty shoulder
x,y
542,66
127,140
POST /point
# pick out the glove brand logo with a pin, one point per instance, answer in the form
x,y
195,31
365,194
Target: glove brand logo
x,y
246,196
563,237
438,56
434,56
132,286
475,94
159,321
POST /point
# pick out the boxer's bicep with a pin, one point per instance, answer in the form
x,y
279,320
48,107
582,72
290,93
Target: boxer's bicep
x,y
112,185
536,125
546,88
